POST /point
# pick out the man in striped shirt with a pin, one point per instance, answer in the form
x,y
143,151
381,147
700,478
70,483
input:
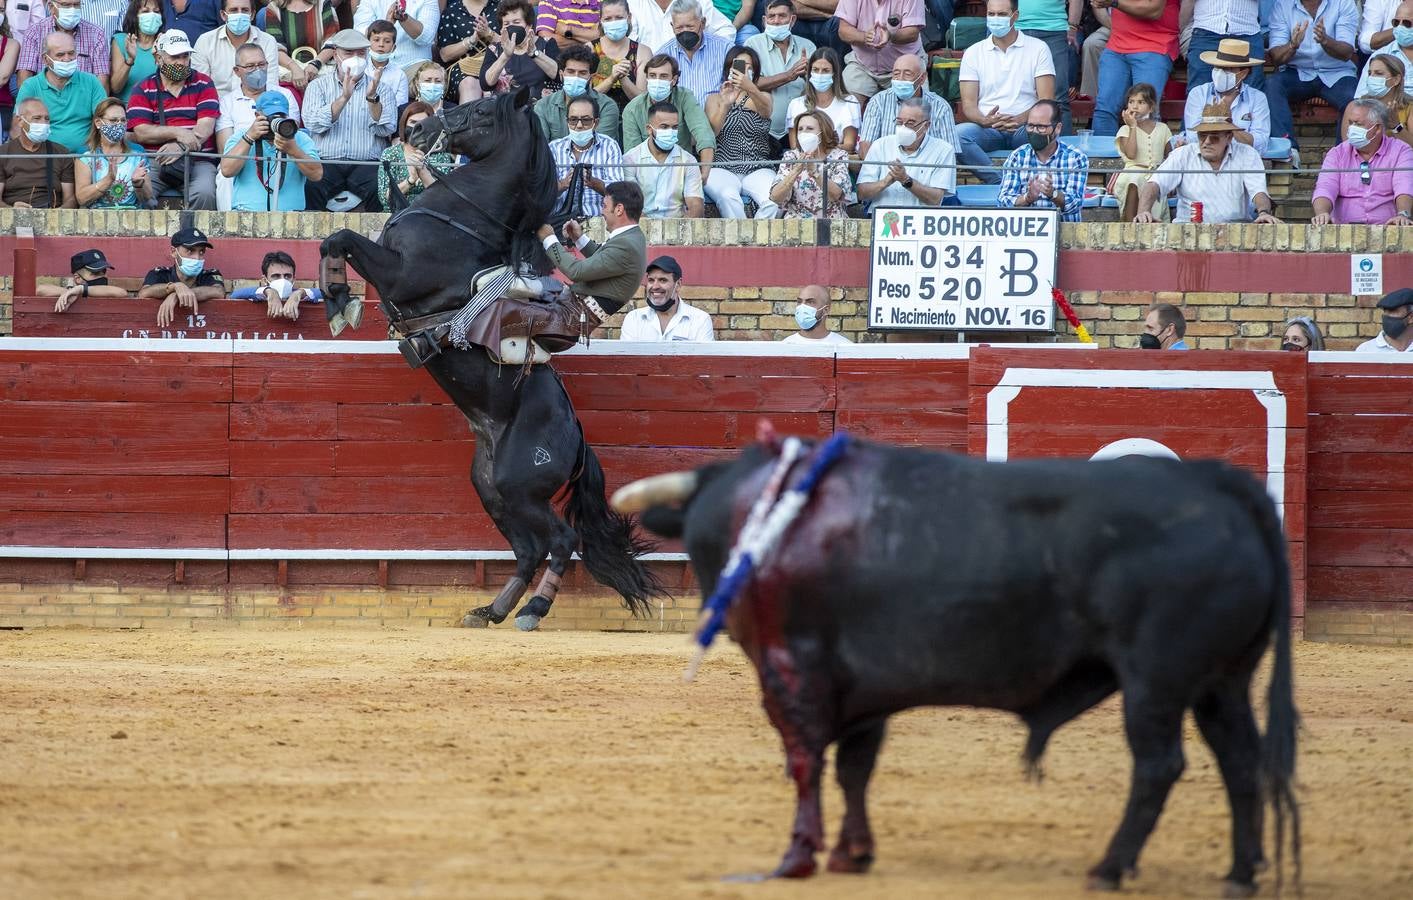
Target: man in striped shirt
x,y
907,81
173,113
599,158
1213,20
568,22
89,40
351,115
698,54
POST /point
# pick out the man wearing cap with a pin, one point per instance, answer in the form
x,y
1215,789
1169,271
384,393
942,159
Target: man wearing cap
x,y
1232,64
607,274
1396,334
270,178
69,94
173,113
1314,41
1366,179
351,117
1223,174
186,281
89,279
90,42
667,317
215,51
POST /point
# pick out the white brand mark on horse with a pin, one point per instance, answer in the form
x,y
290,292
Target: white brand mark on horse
x,y
541,456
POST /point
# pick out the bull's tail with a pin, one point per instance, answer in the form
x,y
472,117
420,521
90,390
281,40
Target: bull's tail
x,y
609,545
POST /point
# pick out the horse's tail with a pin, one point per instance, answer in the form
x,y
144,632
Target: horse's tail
x,y
610,547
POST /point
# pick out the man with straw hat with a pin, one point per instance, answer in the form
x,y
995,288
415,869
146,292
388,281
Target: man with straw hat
x,y
1232,65
1218,171
1315,42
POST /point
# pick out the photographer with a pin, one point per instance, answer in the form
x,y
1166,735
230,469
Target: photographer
x,y
270,161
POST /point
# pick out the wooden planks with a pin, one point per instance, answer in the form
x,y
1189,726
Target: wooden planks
x,y
916,402
213,320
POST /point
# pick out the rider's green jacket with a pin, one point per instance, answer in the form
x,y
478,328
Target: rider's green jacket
x,y
612,270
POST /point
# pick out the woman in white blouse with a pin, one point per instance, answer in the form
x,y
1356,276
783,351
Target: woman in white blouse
x,y
824,91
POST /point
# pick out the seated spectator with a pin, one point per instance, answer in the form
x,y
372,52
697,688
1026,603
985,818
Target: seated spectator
x,y
813,181
1001,77
784,60
812,315
824,94
215,51
586,160
568,23
1143,42
1316,56
277,288
69,94
174,113
667,174
666,317
1394,334
1048,21
1384,83
739,13
653,27
270,171
1225,195
133,55
1231,64
187,280
740,114
1163,328
694,132
466,29
909,80
410,166
302,28
426,83
89,279
351,116
1375,28
237,110
699,54
382,38
1214,21
1301,333
620,74
113,173
28,180
1143,143
90,41
519,56
909,167
1045,174
1366,179
576,66
416,22
1399,45
879,34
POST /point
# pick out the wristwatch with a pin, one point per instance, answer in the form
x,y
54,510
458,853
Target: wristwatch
x,y
1405,214
535,54
908,183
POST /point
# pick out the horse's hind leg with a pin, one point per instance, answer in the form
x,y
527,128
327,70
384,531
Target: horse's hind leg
x,y
528,552
561,539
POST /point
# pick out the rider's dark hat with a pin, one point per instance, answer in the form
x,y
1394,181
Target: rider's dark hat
x,y
89,259
668,265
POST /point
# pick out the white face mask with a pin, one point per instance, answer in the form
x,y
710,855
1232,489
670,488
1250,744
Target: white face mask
x,y
906,136
354,66
282,286
809,141
1223,80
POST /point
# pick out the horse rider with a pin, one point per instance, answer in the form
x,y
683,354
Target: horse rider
x,y
608,275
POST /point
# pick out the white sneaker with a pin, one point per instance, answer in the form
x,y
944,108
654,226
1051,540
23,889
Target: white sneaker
x,y
1294,158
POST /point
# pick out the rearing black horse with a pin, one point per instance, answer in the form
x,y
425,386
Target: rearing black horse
x,y
529,444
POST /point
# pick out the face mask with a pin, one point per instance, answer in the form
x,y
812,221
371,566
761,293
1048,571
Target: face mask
x,y
99,281
238,23
149,22
616,30
575,85
190,267
1223,80
1403,36
113,134
666,304
1288,345
821,82
1037,142
67,18
1377,85
582,138
906,136
377,57
1359,136
354,66
658,89
806,316
903,89
431,92
1394,326
777,32
1149,341
175,73
255,80
37,132
64,68
282,286
809,141
689,40
665,138
998,26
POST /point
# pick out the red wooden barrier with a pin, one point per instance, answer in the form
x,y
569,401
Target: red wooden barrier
x,y
213,320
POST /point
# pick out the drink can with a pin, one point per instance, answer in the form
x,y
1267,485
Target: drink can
x,y
1197,211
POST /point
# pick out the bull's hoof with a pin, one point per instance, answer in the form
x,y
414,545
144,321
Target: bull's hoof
x,y
480,617
796,865
533,612
1236,889
1101,883
850,862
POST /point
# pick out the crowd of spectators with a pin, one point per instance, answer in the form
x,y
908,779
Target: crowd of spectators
x,y
794,108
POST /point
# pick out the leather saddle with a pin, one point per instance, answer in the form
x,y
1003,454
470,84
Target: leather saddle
x,y
534,318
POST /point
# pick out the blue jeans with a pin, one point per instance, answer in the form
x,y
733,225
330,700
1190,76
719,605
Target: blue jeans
x,y
978,142
1117,73
1062,55
1285,88
1203,40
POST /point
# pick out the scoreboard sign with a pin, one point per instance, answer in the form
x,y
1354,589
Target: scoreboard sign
x,y
958,269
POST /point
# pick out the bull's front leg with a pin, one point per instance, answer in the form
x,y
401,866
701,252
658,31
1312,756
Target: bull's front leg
x,y
796,704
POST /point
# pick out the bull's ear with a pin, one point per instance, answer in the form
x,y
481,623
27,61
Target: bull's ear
x,y
664,521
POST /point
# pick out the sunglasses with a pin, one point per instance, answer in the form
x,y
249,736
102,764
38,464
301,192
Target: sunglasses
x,y
581,120
1365,176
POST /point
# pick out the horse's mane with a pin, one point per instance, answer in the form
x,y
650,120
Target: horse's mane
x,y
540,188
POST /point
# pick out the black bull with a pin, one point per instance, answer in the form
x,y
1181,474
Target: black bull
x,y
1041,587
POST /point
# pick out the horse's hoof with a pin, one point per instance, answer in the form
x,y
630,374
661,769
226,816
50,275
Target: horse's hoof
x,y
482,616
1101,883
337,324
534,610
796,865
527,623
1235,889
845,863
471,620
353,313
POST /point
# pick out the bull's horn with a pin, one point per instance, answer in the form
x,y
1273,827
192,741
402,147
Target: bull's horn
x,y
673,487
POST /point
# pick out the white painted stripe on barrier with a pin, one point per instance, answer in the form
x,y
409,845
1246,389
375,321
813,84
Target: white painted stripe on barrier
x,y
123,345
381,347
1350,356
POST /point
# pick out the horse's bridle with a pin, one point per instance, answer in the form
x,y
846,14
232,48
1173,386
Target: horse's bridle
x,y
439,146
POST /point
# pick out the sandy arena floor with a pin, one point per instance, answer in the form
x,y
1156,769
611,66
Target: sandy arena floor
x,y
447,763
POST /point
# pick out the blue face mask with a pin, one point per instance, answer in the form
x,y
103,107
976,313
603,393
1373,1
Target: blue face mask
x,y
1358,136
575,85
821,82
616,30
64,68
149,22
659,89
582,138
998,26
806,316
190,267
903,89
777,32
1376,85
1403,36
665,138
68,18
431,92
238,23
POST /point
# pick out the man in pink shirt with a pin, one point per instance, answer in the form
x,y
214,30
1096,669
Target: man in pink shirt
x,y
880,31
1377,186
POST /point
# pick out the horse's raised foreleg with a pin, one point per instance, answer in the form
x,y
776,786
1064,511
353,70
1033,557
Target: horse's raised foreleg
x,y
376,263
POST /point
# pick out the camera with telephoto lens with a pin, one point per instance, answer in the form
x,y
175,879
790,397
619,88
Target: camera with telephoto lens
x,y
283,125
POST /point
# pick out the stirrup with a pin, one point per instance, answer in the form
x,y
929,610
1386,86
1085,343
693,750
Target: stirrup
x,y
420,347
